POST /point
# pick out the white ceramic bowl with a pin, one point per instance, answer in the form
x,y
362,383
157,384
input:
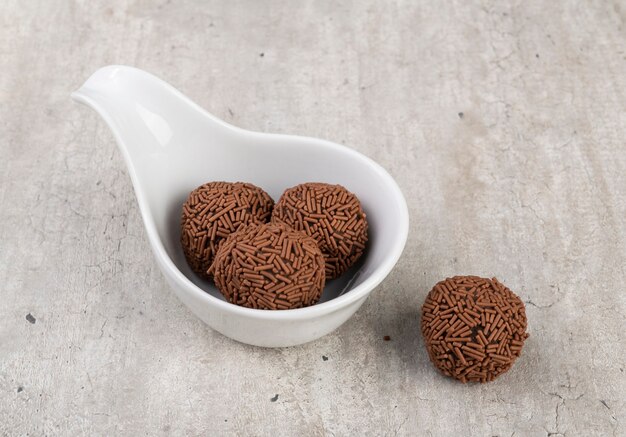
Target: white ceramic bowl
x,y
171,146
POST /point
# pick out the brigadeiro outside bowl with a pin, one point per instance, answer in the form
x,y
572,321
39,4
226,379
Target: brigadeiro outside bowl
x,y
172,146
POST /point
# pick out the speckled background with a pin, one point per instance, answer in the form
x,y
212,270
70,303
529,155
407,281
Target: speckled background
x,y
503,123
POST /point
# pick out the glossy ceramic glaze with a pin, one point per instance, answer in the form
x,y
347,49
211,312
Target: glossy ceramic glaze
x,y
171,145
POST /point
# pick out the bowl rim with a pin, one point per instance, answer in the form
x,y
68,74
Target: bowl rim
x,y
177,277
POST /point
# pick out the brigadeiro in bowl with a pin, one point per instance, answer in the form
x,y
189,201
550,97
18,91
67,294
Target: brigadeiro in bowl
x,y
269,266
212,212
474,328
330,214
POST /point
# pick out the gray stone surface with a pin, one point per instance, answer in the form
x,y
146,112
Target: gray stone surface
x,y
504,126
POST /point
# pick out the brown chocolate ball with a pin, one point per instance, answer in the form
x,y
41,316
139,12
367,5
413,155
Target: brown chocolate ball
x,y
330,214
269,266
474,328
212,212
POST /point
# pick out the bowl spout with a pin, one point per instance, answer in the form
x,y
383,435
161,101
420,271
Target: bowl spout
x,y
151,122
143,112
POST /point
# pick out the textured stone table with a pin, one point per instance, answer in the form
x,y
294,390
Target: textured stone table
x,y
504,126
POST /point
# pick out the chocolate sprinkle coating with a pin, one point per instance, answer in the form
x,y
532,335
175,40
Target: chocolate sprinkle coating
x,y
474,328
269,266
212,212
330,214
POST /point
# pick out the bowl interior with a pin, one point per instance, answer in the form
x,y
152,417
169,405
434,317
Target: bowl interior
x,y
191,149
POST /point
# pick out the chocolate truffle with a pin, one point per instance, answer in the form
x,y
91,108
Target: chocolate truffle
x,y
214,210
330,214
474,328
269,266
